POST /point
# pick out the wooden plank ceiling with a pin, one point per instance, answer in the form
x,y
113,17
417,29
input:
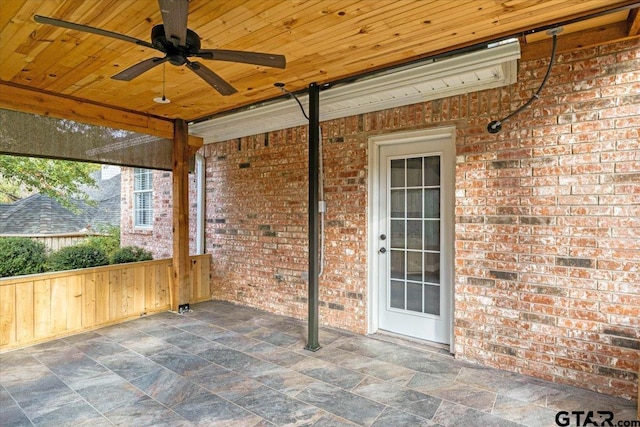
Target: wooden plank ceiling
x,y
323,41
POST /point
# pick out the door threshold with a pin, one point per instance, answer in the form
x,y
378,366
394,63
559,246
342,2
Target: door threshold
x,y
407,341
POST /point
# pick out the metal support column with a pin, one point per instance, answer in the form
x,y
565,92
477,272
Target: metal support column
x,y
314,208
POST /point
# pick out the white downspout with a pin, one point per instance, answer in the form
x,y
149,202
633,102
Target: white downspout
x,y
200,203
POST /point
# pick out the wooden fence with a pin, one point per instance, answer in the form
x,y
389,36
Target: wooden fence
x,y
54,242
39,307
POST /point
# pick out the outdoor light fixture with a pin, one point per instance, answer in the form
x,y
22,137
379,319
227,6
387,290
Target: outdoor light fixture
x,y
496,125
280,86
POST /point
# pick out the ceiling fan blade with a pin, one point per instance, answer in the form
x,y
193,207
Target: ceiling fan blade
x,y
139,68
217,82
174,17
87,29
256,58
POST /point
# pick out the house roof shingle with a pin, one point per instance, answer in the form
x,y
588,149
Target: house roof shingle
x,y
39,214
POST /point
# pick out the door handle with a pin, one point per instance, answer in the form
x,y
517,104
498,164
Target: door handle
x,y
383,250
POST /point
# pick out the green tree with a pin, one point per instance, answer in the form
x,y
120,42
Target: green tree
x,y
61,180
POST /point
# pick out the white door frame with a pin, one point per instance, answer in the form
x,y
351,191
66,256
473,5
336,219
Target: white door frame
x,y
374,219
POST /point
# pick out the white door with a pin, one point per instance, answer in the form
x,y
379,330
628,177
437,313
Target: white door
x,y
415,238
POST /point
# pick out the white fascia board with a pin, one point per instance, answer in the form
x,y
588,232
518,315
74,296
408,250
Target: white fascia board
x,y
472,72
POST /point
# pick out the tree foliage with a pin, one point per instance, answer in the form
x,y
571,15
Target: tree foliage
x,y
61,180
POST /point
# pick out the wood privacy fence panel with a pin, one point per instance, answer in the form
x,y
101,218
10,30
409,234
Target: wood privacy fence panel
x,y
54,242
42,306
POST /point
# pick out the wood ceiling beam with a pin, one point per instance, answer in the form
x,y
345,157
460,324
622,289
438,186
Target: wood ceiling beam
x,y
579,40
634,22
26,100
20,98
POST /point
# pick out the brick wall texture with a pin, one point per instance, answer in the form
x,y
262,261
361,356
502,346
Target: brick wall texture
x,y
547,219
158,238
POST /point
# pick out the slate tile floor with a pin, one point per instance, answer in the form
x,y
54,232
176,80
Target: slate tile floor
x,y
223,364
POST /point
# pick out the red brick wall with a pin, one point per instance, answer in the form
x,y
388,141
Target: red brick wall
x,y
257,223
547,218
547,224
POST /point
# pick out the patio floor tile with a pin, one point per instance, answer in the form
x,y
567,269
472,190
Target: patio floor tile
x,y
466,395
342,403
329,373
79,411
145,413
453,415
226,365
129,365
166,387
285,381
279,408
43,395
208,409
109,392
223,382
179,361
13,416
399,397
99,346
524,413
395,417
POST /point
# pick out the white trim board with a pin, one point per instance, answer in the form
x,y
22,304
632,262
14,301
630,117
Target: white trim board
x,y
484,69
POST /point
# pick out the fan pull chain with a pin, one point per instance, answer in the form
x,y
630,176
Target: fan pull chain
x,y
164,99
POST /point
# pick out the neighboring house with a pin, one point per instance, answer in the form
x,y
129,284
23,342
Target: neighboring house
x,y
527,254
146,211
43,218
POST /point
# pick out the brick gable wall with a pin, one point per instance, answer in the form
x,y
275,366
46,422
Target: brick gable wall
x,y
547,252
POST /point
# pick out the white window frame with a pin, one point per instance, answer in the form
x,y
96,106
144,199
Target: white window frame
x,y
142,193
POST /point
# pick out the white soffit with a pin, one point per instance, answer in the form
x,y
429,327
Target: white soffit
x,y
472,72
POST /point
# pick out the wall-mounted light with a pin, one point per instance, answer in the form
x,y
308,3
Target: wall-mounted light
x,y
496,125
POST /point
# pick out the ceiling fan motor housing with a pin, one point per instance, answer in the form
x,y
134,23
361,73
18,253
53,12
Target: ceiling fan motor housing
x,y
177,54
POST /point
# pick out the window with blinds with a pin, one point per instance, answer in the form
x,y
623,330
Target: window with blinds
x,y
142,198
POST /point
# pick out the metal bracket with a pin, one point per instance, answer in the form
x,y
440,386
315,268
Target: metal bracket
x,y
312,349
554,31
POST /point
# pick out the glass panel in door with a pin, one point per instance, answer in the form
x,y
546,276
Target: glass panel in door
x,y
414,219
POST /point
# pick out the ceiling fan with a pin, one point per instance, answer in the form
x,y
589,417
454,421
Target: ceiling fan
x,y
178,43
